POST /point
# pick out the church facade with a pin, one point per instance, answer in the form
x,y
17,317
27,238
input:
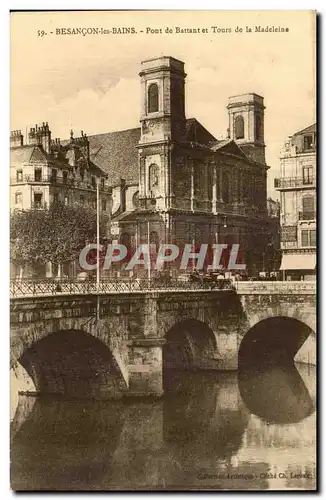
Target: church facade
x,y
174,182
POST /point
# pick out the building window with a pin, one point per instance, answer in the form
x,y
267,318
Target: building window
x,y
102,183
18,198
313,238
56,198
82,173
135,199
307,175
82,199
308,208
239,127
308,238
64,177
258,128
93,182
54,175
19,175
66,200
308,204
38,200
37,174
103,204
308,142
152,98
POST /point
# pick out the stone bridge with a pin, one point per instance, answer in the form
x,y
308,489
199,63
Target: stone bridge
x,y
116,344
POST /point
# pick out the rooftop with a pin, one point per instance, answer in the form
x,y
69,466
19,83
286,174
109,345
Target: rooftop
x,y
308,130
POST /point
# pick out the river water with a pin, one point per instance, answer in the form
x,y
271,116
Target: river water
x,y
220,431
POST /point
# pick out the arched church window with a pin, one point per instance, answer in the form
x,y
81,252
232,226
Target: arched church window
x,y
239,127
135,199
152,98
258,130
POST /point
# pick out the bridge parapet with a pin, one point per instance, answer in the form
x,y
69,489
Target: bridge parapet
x,y
50,287
276,287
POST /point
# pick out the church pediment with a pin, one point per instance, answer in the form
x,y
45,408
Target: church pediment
x,y
229,146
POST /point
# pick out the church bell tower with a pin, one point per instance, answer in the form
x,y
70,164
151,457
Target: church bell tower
x,y
246,124
163,126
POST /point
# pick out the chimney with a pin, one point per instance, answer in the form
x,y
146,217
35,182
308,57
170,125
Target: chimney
x,y
45,137
32,136
40,136
16,138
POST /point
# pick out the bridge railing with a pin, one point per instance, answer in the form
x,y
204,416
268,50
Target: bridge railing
x,y
39,287
275,287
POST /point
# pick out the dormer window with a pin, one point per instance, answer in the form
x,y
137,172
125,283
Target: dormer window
x,y
153,98
308,142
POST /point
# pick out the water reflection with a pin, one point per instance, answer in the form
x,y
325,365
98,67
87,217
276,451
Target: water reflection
x,y
276,394
210,431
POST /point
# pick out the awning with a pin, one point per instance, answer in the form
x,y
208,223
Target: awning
x,y
303,261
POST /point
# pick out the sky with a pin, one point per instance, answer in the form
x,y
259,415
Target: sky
x,y
91,82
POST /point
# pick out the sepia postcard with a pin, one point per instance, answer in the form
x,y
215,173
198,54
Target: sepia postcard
x,y
163,250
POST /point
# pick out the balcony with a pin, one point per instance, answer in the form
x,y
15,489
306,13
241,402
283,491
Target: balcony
x,y
58,181
307,215
294,182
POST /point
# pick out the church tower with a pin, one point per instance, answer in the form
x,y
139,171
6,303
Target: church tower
x,y
246,124
163,126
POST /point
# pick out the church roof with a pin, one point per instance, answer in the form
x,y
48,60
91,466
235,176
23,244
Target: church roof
x,y
117,155
307,130
196,132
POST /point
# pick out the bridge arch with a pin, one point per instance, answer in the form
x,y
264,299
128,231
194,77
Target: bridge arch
x,y
28,338
73,363
274,339
279,310
190,344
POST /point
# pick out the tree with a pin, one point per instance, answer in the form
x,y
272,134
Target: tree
x,y
55,235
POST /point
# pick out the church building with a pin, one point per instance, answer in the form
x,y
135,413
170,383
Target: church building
x,y
174,182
